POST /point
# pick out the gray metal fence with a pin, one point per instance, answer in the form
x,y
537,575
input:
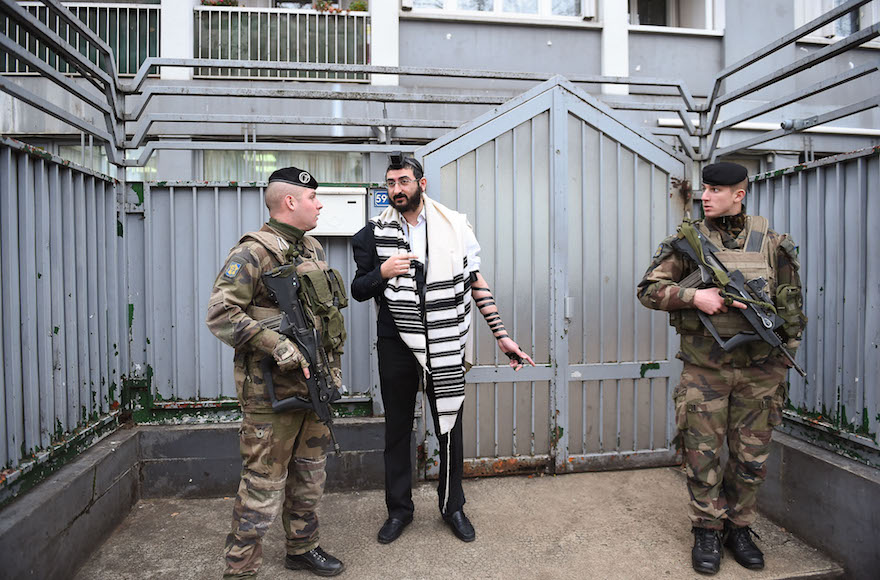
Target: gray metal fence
x,y
568,204
59,303
832,208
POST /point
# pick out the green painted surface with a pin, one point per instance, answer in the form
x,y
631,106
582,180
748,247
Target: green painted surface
x,y
138,188
648,367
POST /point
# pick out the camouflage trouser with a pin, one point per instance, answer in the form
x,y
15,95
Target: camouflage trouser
x,y
744,404
269,443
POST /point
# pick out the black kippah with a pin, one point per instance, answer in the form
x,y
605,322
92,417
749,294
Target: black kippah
x,y
295,176
724,173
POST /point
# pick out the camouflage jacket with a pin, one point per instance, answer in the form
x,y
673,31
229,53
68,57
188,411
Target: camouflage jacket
x,y
240,300
659,290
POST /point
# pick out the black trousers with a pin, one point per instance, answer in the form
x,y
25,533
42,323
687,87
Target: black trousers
x,y
399,376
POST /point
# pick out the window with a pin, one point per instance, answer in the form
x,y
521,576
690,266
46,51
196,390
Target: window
x,y
863,17
327,167
696,14
95,157
539,8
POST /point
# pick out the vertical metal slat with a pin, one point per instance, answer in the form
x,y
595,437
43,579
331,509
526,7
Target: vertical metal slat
x,y
30,388
82,300
9,313
44,297
59,329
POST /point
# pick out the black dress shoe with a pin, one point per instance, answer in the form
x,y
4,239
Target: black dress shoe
x,y
706,555
391,529
461,526
316,560
745,552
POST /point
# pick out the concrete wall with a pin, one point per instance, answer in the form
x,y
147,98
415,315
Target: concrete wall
x,y
203,460
827,500
661,55
55,527
460,44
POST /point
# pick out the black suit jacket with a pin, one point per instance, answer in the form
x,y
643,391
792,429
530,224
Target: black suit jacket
x,y
368,282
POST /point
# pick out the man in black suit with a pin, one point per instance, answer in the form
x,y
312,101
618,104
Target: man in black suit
x,y
423,324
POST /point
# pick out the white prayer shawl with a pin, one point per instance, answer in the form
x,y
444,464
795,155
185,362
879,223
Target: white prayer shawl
x,y
445,350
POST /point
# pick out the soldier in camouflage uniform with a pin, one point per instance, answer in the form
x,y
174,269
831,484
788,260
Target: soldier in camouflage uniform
x,y
738,394
283,454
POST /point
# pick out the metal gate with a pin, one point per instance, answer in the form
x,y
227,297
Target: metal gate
x,y
568,204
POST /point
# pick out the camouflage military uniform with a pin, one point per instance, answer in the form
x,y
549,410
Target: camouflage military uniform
x,y
738,394
283,454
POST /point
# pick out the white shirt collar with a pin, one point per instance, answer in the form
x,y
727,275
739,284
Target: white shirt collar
x,y
419,221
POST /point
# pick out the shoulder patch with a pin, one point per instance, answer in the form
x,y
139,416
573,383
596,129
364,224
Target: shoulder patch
x,y
232,270
659,252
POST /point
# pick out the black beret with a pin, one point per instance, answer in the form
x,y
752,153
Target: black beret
x,y
295,176
724,173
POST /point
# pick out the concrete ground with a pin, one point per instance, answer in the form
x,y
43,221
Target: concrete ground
x,y
624,524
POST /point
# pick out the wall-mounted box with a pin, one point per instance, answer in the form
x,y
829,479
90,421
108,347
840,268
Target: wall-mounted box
x,y
344,211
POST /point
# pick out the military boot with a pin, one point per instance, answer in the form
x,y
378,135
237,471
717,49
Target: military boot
x,y
317,561
745,552
706,555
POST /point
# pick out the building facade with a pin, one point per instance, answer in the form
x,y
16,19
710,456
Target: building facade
x,y
683,43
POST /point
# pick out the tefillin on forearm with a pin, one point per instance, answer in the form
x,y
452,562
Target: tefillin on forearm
x,y
485,302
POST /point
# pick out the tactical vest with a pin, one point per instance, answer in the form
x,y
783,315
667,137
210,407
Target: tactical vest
x,y
321,290
756,259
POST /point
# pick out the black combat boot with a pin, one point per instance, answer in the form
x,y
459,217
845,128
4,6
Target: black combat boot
x,y
706,555
745,552
316,560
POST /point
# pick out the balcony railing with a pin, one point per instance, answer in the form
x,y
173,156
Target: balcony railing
x,y
280,35
131,30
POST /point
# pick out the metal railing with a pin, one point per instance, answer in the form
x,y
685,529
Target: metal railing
x,y
711,128
131,31
279,35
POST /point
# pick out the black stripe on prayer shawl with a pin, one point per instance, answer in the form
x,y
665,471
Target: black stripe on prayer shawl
x,y
445,284
442,304
437,324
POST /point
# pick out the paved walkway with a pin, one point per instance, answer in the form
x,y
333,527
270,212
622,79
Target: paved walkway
x,y
625,524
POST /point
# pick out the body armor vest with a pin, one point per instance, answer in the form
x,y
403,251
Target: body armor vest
x,y
755,260
321,290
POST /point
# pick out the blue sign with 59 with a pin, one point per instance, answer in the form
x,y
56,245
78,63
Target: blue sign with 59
x,y
380,198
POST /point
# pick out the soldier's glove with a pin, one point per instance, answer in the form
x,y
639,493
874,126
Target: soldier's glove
x,y
288,356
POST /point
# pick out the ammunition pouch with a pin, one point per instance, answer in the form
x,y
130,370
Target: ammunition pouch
x,y
686,321
789,306
323,295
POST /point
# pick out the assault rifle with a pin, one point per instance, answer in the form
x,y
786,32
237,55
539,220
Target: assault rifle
x,y
296,325
759,312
